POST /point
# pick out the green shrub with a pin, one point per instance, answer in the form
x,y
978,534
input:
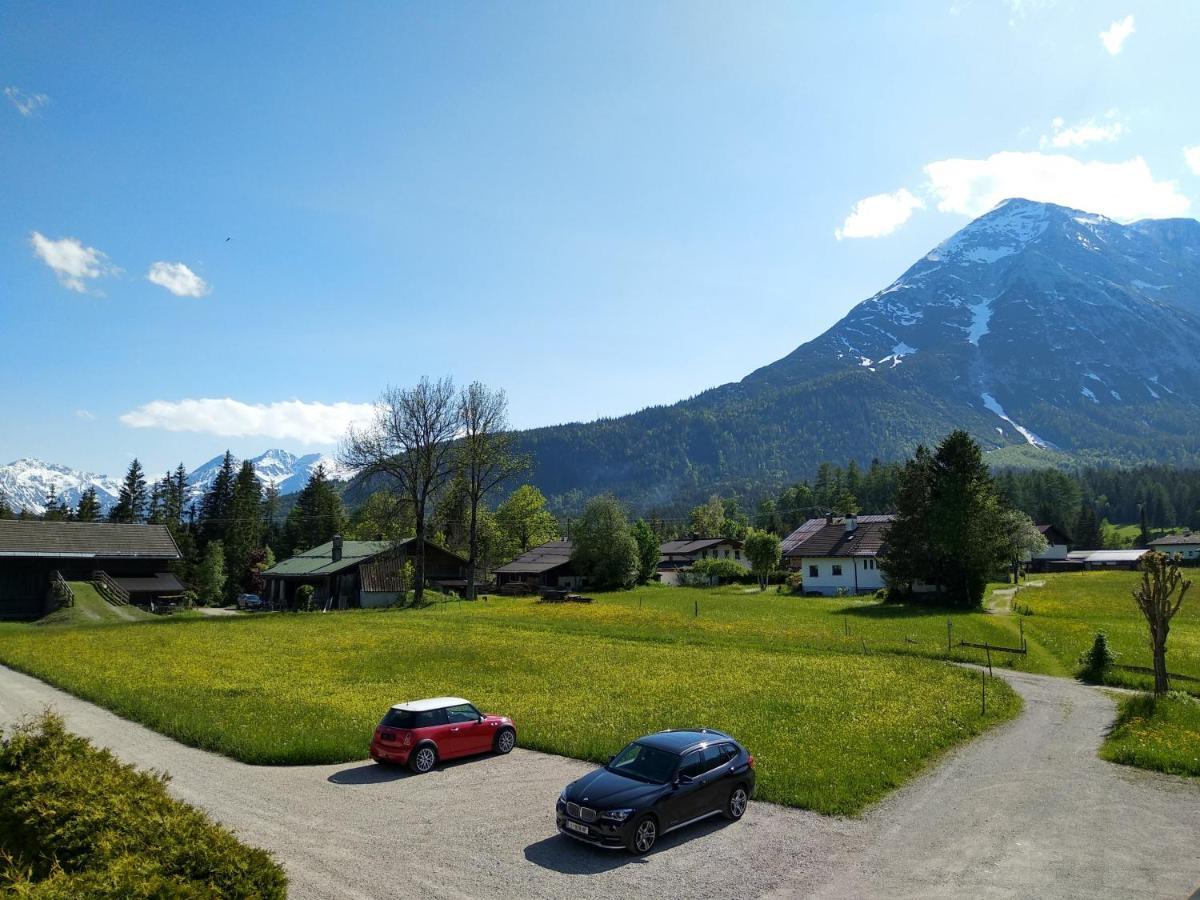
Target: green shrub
x,y
724,570
1095,662
75,822
304,598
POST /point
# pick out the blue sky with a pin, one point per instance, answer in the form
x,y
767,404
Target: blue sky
x,y
594,206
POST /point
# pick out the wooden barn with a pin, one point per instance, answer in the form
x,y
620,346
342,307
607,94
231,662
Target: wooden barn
x,y
131,560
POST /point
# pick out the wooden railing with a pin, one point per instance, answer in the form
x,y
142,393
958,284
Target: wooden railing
x,y
109,589
60,591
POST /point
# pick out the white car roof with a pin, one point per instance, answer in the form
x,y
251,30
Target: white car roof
x,y
431,703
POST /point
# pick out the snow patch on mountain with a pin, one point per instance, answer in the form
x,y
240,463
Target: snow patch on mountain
x,y
1030,438
275,468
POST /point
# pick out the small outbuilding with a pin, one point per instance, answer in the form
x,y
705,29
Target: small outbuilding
x,y
548,565
675,556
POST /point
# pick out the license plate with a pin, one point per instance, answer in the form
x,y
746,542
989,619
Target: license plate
x,y
575,826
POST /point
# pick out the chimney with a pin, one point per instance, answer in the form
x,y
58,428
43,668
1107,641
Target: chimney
x,y
851,522
337,548
828,518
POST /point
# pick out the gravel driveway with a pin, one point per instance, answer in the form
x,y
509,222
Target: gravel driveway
x,y
1026,810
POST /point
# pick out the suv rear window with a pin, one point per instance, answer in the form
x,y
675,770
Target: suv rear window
x,y
403,718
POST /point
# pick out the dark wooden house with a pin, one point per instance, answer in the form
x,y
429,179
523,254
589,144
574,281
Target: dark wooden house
x,y
546,566
351,574
133,557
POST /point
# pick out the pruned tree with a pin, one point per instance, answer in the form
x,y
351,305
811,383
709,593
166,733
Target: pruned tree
x,y
409,442
487,457
764,551
1159,596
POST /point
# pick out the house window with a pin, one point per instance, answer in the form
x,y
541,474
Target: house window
x,y
813,572
837,570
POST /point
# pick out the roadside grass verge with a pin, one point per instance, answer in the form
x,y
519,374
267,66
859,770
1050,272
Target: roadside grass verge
x,y
1162,734
1071,607
832,731
75,822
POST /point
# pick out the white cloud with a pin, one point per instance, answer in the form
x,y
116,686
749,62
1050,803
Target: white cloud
x,y
879,214
178,279
86,415
310,423
1116,35
71,261
1192,156
1124,191
1083,133
26,104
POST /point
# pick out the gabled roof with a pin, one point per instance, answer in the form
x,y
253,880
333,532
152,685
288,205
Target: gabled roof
x,y
161,582
1106,555
1174,540
819,537
86,540
319,560
1052,534
549,555
692,546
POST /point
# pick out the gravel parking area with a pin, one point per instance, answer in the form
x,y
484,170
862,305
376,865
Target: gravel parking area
x,y
1027,810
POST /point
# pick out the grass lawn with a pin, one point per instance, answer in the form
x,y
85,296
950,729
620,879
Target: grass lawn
x,y
1072,607
833,729
1163,734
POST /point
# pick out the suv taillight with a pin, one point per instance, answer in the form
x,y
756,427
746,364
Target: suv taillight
x,y
750,762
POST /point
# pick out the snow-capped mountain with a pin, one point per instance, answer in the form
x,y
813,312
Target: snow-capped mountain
x,y
27,484
1034,327
280,469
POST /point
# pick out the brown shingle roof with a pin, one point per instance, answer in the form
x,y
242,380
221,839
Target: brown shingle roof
x,y
86,540
541,559
818,538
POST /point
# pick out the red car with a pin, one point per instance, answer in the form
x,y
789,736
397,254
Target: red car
x,y
421,732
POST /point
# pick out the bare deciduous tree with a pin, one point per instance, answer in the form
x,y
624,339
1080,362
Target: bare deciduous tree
x,y
487,457
1157,599
410,441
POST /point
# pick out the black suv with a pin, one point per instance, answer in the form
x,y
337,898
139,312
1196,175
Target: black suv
x,y
657,784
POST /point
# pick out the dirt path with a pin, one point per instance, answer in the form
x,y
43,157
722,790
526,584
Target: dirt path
x,y
1027,810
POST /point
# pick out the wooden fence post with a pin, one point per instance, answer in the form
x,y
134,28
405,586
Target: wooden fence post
x,y
949,630
696,612
983,687
988,648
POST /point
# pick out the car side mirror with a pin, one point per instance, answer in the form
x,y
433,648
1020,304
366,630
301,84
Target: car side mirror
x,y
611,758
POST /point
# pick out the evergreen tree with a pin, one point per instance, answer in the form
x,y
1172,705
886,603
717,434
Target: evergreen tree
x,y
132,498
243,536
605,550
950,530
56,508
317,516
1086,534
214,508
648,550
89,506
6,511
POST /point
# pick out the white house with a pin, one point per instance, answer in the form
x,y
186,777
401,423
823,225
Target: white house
x,y
1057,547
838,554
674,556
1185,545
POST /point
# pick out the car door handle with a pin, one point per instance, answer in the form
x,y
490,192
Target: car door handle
x,y
452,730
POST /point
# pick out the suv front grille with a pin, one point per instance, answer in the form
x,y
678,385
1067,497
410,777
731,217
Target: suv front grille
x,y
583,813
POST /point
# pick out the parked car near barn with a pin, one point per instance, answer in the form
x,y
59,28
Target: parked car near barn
x,y
421,733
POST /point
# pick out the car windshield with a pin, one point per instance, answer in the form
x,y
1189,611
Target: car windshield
x,y
644,763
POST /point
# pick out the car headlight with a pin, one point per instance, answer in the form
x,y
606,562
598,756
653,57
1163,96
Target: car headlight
x,y
617,815
562,797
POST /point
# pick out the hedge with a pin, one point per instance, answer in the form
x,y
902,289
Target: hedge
x,y
75,822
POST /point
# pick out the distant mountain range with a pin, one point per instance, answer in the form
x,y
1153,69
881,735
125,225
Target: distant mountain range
x,y
1048,333
26,483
